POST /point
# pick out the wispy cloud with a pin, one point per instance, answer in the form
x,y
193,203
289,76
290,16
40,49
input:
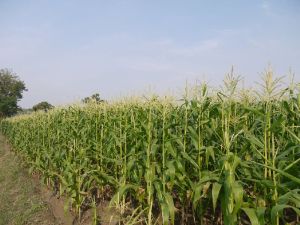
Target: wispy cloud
x,y
266,7
146,65
230,32
196,49
164,55
174,48
266,44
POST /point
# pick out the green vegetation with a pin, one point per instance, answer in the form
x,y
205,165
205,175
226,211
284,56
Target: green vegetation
x,y
45,106
20,201
11,89
231,155
95,98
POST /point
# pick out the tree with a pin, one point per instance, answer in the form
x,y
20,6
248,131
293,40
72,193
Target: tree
x,y
11,89
45,106
94,98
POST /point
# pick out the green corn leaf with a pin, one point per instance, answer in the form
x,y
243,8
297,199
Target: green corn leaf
x,y
197,194
260,211
254,140
209,154
252,216
293,134
122,191
165,213
189,159
293,178
277,210
216,188
171,207
238,192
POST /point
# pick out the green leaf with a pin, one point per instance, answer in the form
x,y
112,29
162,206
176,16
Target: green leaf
x,y
170,203
291,177
293,134
165,213
260,211
278,210
188,158
170,171
215,193
197,194
252,216
254,140
209,153
122,190
238,192
291,196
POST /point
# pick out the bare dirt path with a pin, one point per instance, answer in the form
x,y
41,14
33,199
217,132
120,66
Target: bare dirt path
x,y
20,200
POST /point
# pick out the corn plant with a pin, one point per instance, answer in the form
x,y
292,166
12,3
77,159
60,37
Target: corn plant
x,y
226,156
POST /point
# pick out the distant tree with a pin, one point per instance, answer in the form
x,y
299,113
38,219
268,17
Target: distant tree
x,y
45,106
94,98
25,111
11,89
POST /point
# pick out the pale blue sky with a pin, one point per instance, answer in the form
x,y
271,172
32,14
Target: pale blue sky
x,y
65,50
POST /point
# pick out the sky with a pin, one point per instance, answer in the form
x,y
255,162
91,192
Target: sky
x,y
65,50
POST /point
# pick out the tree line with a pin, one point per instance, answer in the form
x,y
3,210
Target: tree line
x,y
11,92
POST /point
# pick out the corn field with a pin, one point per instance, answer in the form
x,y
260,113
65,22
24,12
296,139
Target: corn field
x,y
228,156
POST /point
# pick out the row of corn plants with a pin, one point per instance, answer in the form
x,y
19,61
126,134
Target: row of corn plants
x,y
228,156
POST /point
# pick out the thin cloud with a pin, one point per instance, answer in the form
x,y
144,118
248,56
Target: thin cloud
x,y
267,8
230,32
265,5
147,65
196,49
